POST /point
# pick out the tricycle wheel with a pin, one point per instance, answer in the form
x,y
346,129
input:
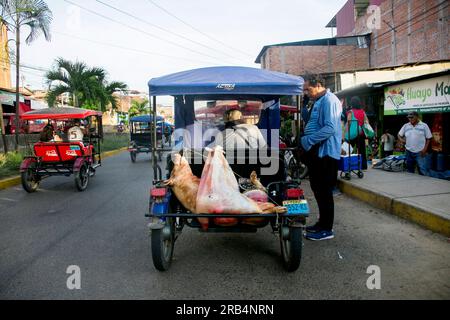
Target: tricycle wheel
x,y
82,178
29,182
133,156
291,247
163,241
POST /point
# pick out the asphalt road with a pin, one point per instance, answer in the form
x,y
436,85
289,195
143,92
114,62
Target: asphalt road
x,y
104,232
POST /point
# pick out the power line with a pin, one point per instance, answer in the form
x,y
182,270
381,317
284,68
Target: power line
x,y
12,62
195,29
139,30
163,29
129,49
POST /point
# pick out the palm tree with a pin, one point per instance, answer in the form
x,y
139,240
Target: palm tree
x,y
87,86
77,79
110,89
16,14
139,108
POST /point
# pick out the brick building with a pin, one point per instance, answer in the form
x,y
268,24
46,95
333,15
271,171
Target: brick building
x,y
380,46
317,56
401,31
370,34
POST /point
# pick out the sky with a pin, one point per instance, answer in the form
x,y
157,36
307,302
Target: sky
x,y
152,38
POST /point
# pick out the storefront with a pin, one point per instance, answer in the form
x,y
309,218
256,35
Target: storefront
x,y
8,110
429,95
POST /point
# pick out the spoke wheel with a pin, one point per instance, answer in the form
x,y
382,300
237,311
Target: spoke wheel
x,y
29,181
82,178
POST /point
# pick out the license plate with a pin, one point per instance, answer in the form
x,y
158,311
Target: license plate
x,y
144,149
297,207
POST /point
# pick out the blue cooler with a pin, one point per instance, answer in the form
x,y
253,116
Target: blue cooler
x,y
354,162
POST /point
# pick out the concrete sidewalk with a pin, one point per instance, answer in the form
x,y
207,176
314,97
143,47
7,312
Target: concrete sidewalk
x,y
423,200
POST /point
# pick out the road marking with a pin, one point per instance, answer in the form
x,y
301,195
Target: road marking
x,y
7,199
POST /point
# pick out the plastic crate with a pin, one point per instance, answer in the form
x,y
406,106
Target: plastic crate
x,y
350,163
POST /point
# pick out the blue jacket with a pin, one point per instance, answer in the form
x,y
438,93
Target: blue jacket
x,y
324,127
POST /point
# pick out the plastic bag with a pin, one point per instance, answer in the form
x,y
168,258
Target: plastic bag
x,y
368,130
219,190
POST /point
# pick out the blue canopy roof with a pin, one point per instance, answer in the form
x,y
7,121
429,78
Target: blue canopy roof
x,y
145,118
227,81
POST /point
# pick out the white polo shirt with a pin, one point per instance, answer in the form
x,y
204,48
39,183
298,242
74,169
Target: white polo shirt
x,y
416,136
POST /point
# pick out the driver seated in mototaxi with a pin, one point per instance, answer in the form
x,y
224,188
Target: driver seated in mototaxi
x,y
238,134
76,133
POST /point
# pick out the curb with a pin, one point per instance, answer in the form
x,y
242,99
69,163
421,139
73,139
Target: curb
x,y
420,216
16,180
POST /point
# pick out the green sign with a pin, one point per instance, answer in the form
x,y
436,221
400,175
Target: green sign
x,y
424,96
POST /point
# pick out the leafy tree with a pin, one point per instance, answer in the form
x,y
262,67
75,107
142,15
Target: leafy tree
x,y
87,86
139,108
17,14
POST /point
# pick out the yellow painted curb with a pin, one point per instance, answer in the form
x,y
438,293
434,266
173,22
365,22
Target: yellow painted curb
x,y
376,200
113,152
10,182
16,180
422,217
417,215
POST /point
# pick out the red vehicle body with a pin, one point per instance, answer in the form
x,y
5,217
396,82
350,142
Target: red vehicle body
x,y
80,158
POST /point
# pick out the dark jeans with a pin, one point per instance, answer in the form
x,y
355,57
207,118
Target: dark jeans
x,y
323,174
415,158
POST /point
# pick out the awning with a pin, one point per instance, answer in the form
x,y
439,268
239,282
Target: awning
x,y
60,114
227,81
146,119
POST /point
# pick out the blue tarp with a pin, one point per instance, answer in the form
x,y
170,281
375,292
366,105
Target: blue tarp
x,y
227,81
146,118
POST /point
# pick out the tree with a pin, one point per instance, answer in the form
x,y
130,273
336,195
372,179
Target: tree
x,y
77,79
16,14
87,86
110,89
139,108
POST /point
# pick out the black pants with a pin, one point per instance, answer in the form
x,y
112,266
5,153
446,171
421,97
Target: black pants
x,y
323,174
360,144
387,153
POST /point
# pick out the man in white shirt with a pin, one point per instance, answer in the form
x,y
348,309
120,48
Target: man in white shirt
x,y
75,133
417,136
239,135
